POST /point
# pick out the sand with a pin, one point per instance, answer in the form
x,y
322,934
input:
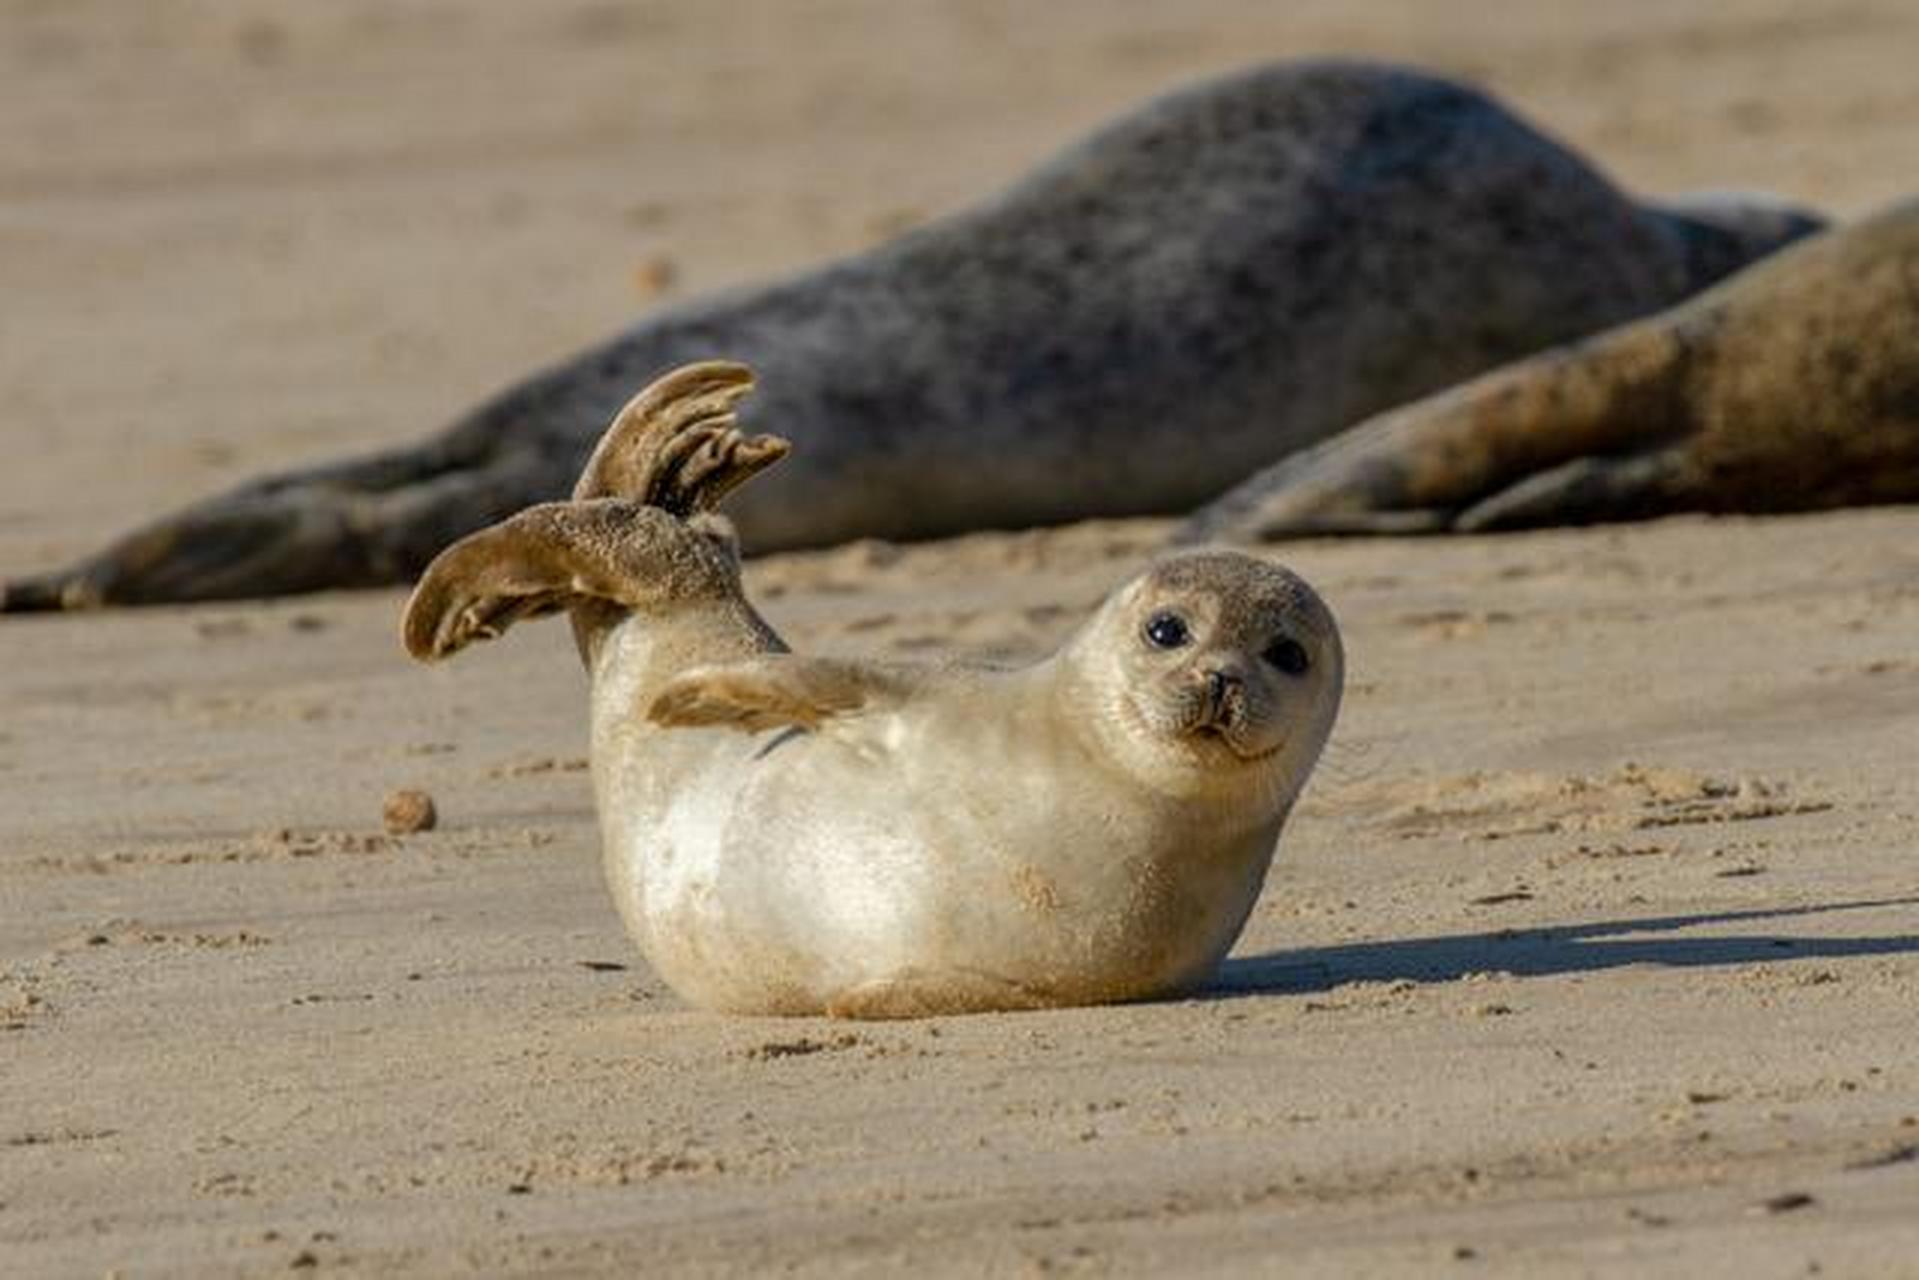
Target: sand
x,y
1593,949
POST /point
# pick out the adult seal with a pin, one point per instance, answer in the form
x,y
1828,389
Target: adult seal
x,y
793,835
1793,386
1219,278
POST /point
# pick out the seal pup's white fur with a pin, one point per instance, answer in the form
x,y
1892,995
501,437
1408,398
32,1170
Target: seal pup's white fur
x,y
794,835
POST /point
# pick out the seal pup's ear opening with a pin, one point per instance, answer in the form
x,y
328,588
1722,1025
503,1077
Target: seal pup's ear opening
x,y
776,691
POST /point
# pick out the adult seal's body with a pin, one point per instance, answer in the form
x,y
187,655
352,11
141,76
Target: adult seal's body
x,y
1225,275
792,835
1793,386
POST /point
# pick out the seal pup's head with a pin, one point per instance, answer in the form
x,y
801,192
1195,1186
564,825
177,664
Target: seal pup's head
x,y
1211,671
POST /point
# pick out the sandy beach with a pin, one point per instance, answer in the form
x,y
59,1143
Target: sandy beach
x,y
1593,948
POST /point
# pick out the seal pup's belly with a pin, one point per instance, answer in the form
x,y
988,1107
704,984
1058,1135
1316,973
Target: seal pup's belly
x,y
870,882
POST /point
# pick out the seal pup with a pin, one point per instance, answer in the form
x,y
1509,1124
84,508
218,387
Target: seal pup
x,y
795,835
1221,277
1792,386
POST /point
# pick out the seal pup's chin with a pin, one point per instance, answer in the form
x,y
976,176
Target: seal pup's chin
x,y
1217,737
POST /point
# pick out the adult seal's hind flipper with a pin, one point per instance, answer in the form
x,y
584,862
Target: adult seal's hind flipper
x,y
1792,386
1221,277
365,522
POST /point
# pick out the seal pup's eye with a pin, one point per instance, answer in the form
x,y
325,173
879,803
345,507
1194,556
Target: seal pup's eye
x,y
1289,656
1167,630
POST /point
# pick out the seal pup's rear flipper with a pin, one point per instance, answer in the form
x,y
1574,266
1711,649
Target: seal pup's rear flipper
x,y
677,444
778,691
558,555
643,527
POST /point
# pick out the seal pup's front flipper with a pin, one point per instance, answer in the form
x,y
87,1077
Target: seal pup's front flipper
x,y
778,691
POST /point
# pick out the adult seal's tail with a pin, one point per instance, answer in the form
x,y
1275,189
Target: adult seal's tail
x,y
1225,275
1790,387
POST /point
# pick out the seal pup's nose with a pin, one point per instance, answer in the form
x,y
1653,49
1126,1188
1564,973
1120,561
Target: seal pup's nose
x,y
1220,688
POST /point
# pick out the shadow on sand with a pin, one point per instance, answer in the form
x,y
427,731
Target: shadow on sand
x,y
1554,949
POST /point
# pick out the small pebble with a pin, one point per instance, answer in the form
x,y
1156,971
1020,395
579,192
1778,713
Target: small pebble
x,y
1785,1202
654,275
408,811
